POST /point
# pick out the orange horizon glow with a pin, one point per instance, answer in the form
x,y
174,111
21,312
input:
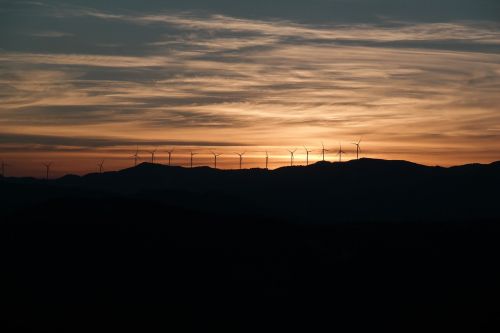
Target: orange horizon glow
x,y
418,91
80,163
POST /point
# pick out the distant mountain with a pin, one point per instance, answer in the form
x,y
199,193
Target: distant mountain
x,y
394,243
365,189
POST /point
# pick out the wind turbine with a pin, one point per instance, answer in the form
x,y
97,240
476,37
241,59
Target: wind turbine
x,y
358,148
323,150
152,152
292,156
267,159
3,167
169,152
47,167
136,156
192,154
241,158
307,155
340,152
100,165
215,159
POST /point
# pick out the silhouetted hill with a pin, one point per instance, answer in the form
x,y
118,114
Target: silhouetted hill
x,y
356,246
358,190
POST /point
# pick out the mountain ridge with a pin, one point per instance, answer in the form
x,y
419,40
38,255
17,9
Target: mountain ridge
x,y
320,165
364,189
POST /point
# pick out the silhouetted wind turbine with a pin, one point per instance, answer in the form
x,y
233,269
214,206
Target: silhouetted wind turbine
x,y
152,152
267,159
307,155
358,148
292,156
136,156
100,165
215,159
241,158
47,167
340,152
323,150
3,167
169,152
192,154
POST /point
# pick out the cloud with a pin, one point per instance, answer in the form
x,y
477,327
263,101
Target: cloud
x,y
50,34
94,60
213,79
54,142
389,31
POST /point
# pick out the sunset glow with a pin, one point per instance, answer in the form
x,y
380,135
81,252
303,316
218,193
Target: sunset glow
x,y
79,84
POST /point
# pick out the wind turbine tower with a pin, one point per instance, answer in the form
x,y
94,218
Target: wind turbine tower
x,y
241,158
307,155
3,167
215,159
47,169
101,165
192,154
292,152
152,152
323,150
340,152
136,156
169,152
267,159
358,148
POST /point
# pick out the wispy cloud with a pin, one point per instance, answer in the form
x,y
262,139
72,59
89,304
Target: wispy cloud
x,y
94,60
212,80
472,32
55,142
50,34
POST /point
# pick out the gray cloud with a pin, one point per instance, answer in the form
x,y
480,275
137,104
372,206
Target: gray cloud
x,y
50,34
245,80
52,141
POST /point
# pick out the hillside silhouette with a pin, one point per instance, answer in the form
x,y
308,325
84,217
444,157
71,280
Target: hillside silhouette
x,y
354,246
358,190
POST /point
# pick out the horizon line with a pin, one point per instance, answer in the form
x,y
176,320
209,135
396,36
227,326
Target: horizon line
x,y
248,169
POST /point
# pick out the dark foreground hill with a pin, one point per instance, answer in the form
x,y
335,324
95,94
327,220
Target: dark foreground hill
x,y
359,246
362,190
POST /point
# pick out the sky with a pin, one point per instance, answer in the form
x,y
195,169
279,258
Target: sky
x,y
85,81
